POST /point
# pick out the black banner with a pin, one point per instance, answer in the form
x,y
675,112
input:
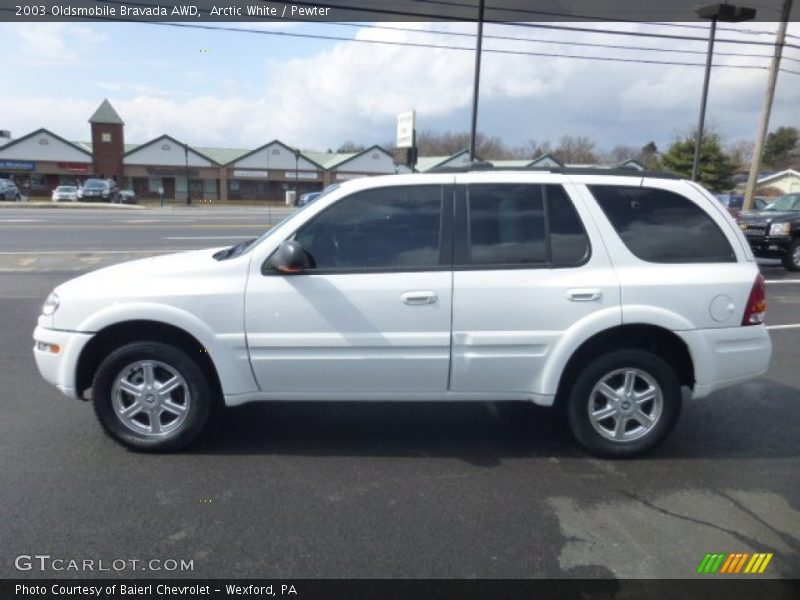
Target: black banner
x,y
385,589
497,11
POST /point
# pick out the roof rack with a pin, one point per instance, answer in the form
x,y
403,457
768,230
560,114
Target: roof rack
x,y
487,166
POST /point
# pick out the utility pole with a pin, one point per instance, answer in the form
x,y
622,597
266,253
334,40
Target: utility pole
x,y
726,13
755,164
476,85
698,142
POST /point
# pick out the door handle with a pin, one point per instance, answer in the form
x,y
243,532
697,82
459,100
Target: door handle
x,y
419,297
584,295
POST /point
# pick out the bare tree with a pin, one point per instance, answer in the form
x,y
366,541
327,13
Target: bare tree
x,y
351,146
532,149
431,143
741,152
576,149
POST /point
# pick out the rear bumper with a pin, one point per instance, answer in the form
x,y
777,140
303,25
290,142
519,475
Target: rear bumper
x,y
727,356
59,368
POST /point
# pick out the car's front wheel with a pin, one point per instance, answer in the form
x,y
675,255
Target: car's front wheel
x,y
791,260
624,403
151,396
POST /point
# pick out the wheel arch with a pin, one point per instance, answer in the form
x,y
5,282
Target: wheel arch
x,y
652,338
115,335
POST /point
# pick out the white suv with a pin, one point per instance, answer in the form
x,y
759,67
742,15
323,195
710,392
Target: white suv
x,y
606,293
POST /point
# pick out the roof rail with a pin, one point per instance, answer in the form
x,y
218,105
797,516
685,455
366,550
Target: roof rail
x,y
487,166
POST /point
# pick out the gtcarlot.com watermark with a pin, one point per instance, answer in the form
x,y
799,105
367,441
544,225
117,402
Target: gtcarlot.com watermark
x,y
46,562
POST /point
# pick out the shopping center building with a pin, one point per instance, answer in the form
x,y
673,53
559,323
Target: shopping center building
x,y
43,160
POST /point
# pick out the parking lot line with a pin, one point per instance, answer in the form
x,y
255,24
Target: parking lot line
x,y
783,281
788,326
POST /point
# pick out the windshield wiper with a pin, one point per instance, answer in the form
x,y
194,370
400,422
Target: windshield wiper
x,y
234,250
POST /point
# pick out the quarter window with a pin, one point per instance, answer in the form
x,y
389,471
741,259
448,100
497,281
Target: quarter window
x,y
662,227
383,228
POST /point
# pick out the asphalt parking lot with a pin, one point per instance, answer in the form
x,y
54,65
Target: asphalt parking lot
x,y
382,490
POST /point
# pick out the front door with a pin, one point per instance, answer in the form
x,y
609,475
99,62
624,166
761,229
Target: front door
x,y
372,313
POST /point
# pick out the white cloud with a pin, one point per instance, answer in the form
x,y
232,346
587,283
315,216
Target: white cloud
x,y
354,90
50,44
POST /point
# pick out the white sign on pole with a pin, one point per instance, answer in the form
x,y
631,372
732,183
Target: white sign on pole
x,y
405,129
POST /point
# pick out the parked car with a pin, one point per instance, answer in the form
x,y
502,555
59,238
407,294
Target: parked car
x,y
9,190
774,232
734,203
104,190
312,196
609,294
127,197
308,198
65,192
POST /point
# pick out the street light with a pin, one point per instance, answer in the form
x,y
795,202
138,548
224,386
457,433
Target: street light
x,y
296,174
715,12
186,172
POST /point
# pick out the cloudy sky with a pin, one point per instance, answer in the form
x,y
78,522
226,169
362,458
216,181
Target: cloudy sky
x,y
240,90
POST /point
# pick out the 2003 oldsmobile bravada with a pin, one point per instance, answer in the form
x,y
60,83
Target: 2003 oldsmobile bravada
x,y
606,292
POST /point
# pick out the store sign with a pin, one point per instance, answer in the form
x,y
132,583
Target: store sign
x,y
18,165
348,176
301,175
167,172
74,167
243,174
405,129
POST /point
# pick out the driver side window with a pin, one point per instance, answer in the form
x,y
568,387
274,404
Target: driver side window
x,y
384,228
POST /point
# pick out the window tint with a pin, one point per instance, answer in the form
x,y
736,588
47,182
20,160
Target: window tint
x,y
395,228
568,240
506,225
662,227
509,224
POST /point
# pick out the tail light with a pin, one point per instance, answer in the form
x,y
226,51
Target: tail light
x,y
756,303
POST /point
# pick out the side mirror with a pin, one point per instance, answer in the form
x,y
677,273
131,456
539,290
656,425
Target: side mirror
x,y
289,258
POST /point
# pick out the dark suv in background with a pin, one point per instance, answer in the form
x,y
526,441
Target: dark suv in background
x,y
774,232
9,190
103,190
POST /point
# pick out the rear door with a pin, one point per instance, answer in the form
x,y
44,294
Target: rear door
x,y
528,267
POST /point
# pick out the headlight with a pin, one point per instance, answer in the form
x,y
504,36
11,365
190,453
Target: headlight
x,y
51,304
780,229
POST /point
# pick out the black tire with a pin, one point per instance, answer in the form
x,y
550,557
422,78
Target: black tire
x,y
196,394
611,367
791,260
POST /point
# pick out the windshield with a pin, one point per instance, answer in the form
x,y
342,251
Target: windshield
x,y
65,188
94,183
789,202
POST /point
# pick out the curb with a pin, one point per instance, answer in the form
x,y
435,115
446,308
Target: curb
x,y
70,205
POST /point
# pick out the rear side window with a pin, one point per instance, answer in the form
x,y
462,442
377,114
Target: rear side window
x,y
662,227
523,225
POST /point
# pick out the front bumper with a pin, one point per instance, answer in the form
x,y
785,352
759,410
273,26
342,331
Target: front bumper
x,y
769,246
727,356
59,368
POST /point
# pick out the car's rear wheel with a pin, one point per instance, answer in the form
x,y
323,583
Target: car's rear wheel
x,y
791,260
151,396
624,403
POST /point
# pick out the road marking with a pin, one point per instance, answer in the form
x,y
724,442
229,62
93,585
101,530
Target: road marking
x,y
211,237
107,226
137,251
157,221
789,326
20,220
783,281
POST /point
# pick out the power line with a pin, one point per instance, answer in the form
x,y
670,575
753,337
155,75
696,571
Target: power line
x,y
424,45
557,42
